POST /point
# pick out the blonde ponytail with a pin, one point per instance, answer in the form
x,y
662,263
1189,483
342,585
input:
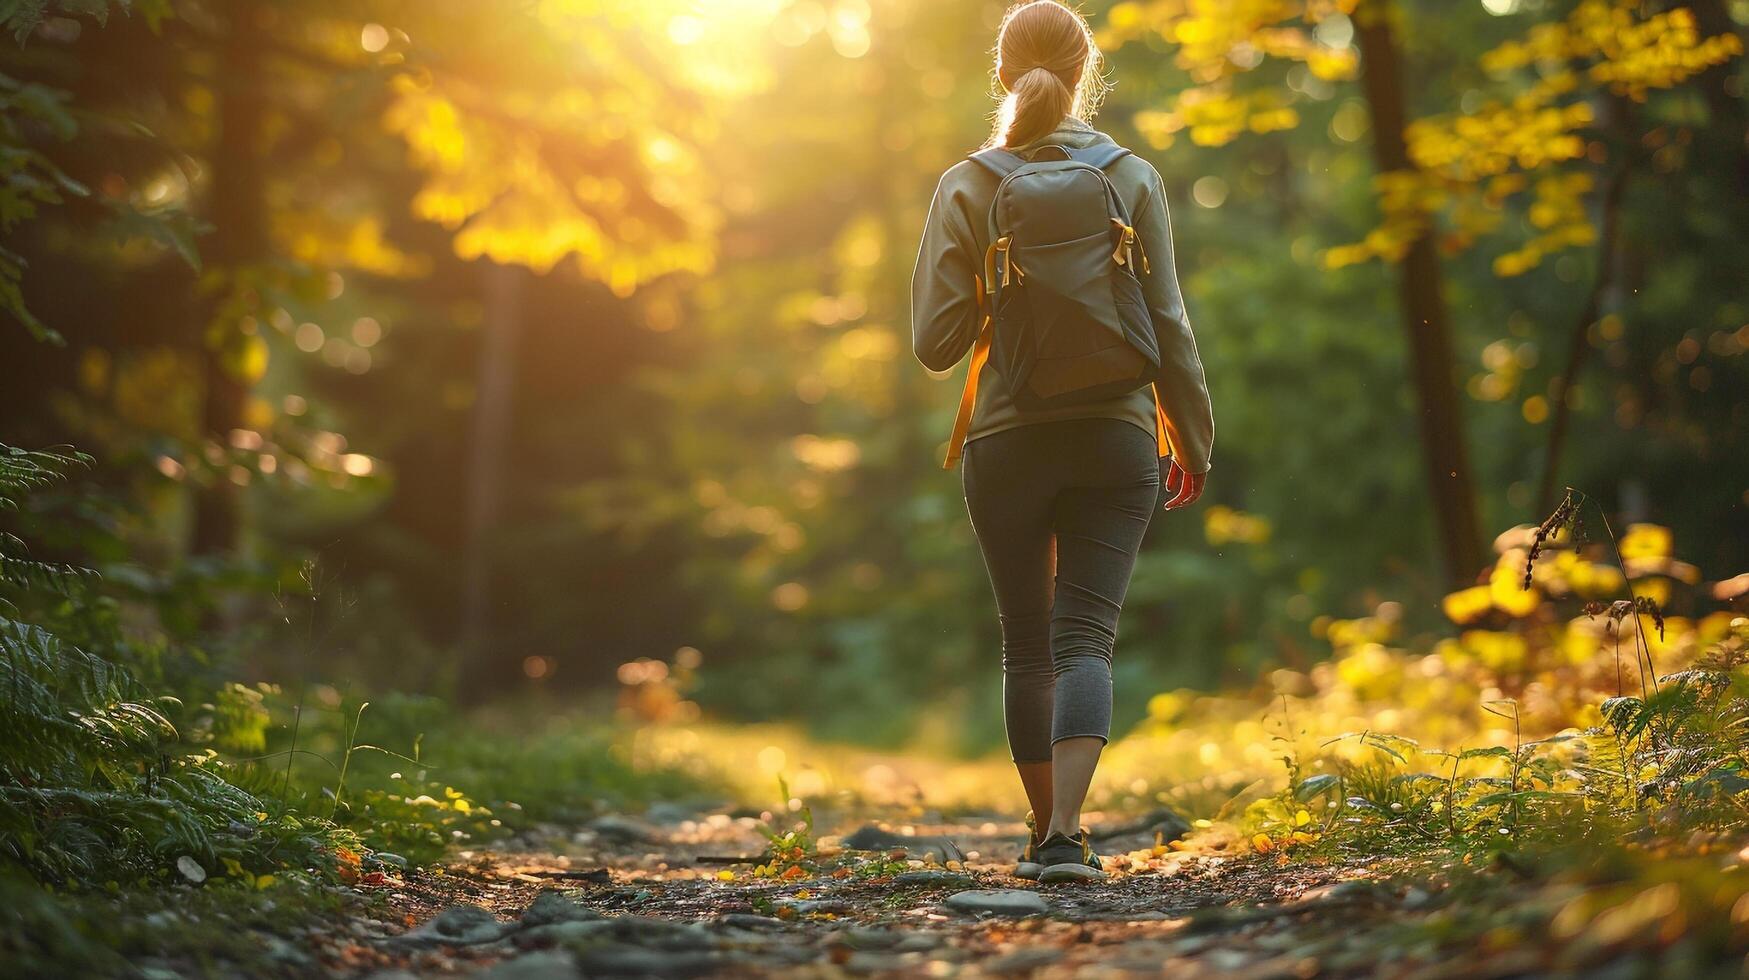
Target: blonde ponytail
x,y
1049,65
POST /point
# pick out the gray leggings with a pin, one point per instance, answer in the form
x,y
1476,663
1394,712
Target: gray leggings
x,y
1060,509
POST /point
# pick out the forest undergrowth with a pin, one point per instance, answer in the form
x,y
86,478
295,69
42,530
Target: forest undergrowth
x,y
1576,743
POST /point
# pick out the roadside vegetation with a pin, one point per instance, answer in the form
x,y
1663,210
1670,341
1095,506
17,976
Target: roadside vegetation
x,y
1573,746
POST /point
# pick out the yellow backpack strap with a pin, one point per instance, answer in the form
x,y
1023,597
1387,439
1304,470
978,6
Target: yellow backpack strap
x,y
962,423
1162,425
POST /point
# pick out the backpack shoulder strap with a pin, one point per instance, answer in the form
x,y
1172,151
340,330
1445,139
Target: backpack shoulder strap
x,y
1101,155
962,423
998,160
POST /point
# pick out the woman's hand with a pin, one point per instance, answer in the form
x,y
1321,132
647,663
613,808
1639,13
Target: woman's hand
x,y
1182,488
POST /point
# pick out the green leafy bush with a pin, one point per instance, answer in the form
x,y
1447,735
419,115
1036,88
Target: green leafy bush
x,y
98,785
1592,746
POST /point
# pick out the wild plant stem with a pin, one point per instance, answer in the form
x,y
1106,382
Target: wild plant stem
x,y
1643,646
1451,798
1615,632
1517,761
292,753
346,759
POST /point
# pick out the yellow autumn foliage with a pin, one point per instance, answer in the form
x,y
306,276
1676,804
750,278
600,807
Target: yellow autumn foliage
x,y
1468,164
1214,43
548,163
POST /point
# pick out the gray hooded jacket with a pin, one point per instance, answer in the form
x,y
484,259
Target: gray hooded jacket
x,y
944,302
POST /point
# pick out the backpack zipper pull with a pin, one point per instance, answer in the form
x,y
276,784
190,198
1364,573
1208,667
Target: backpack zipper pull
x,y
1121,254
1008,269
1129,248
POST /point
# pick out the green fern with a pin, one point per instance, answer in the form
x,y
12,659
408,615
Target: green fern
x,y
95,784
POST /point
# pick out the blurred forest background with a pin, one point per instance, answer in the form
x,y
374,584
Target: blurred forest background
x,y
527,350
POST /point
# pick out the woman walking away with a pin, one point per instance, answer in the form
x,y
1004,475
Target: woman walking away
x,y
1048,256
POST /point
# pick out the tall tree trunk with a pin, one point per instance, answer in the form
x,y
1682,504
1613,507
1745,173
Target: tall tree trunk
x,y
238,214
1432,368
493,415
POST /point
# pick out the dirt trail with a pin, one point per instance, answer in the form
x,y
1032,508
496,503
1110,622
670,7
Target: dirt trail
x,y
630,897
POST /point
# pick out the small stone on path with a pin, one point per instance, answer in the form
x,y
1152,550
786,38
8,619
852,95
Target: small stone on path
x,y
998,901
558,933
747,920
458,925
859,938
552,906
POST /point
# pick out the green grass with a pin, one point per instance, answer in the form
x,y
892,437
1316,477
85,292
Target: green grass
x,y
412,776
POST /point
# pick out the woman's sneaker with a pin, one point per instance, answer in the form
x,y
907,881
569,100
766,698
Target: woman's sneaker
x,y
1029,868
1068,858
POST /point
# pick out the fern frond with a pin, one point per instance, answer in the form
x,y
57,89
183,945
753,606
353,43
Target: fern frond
x,y
25,470
91,787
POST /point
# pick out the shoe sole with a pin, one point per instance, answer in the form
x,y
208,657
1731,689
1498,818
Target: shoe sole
x,y
1030,870
1060,873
